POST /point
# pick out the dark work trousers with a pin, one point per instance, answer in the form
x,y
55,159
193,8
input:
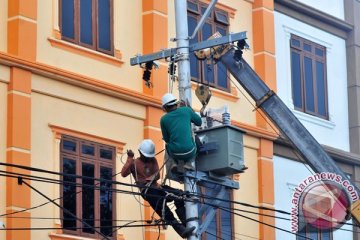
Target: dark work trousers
x,y
155,197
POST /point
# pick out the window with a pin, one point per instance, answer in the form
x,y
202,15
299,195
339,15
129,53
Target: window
x,y
317,200
88,23
308,73
218,21
94,206
221,226
315,234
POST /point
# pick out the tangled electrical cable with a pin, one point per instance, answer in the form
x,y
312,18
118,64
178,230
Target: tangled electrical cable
x,y
12,174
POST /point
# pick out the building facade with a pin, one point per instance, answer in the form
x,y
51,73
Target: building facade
x,y
71,103
316,58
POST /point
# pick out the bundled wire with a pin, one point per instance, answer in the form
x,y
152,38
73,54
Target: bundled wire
x,y
222,208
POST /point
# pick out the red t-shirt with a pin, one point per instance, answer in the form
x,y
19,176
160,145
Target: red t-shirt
x,y
143,171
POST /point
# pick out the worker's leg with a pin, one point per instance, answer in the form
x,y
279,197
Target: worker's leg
x,y
179,203
170,161
190,163
172,168
175,194
155,197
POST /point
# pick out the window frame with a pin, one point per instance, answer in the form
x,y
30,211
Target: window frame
x,y
306,232
218,231
95,31
97,162
314,58
214,23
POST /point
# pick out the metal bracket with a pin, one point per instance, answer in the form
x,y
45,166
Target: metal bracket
x,y
269,94
210,210
234,37
202,176
194,47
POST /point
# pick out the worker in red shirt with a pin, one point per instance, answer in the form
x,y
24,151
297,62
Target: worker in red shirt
x,y
145,170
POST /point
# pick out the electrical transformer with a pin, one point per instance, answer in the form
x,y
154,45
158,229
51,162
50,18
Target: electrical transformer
x,y
221,150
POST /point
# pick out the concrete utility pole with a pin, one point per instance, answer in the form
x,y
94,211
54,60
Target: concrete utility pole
x,y
181,53
182,43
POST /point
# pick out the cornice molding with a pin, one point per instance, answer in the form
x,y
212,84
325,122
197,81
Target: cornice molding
x,y
284,148
256,131
79,80
314,17
59,131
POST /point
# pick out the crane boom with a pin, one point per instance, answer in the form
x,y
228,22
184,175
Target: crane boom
x,y
283,118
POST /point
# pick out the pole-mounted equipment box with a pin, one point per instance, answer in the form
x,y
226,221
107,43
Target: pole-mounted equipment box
x,y
221,150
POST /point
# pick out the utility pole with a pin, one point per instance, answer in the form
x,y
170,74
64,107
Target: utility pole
x,y
182,43
181,55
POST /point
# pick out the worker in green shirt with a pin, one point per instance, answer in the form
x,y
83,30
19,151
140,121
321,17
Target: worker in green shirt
x,y
177,133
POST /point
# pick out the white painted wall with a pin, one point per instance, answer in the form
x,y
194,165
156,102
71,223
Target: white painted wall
x,y
284,181
332,7
335,131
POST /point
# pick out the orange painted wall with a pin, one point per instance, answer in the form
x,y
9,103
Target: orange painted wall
x,y
18,148
155,38
155,35
21,41
22,38
3,123
26,8
264,64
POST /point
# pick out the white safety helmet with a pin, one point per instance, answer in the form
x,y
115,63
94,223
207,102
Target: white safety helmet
x,y
147,148
168,100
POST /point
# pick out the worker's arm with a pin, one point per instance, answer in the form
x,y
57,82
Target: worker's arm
x,y
126,170
196,119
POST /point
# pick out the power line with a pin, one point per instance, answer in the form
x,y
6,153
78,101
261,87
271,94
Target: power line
x,y
267,224
76,228
214,235
16,175
129,192
19,166
85,219
121,183
114,231
35,190
238,202
287,219
245,216
21,181
240,234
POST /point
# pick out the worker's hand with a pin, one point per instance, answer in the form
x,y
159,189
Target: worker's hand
x,y
182,103
130,153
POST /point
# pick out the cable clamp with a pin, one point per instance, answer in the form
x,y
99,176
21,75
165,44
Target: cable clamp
x,y
182,57
20,180
184,88
264,98
192,219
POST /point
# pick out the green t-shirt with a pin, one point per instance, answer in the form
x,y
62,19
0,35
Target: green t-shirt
x,y
177,132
